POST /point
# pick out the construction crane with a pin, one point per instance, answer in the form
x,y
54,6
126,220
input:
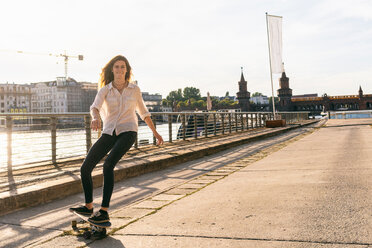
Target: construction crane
x,y
65,56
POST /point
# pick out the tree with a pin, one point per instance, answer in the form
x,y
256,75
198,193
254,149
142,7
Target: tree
x,y
181,105
276,99
175,96
227,94
199,104
257,94
165,102
191,92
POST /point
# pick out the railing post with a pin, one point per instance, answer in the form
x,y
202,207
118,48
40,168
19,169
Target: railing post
x,y
136,142
9,130
242,122
88,132
259,120
183,119
256,120
205,125
251,120
223,122
153,117
53,129
214,124
195,126
246,117
230,123
99,131
236,121
170,127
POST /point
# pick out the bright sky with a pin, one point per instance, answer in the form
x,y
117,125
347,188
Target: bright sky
x,y
171,44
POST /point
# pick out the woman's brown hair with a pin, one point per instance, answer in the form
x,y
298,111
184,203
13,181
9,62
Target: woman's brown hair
x,y
107,76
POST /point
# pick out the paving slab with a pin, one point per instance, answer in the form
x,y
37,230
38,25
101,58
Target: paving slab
x,y
202,181
65,241
151,204
191,186
131,212
211,177
166,197
179,191
20,236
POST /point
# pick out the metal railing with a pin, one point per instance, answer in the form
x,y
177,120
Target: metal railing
x,y
28,139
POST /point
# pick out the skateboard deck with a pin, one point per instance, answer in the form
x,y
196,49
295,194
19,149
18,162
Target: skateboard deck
x,y
97,230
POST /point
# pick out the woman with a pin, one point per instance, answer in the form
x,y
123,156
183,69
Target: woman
x,y
116,102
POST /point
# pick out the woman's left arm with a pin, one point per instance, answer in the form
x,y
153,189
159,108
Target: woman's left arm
x,y
153,129
145,115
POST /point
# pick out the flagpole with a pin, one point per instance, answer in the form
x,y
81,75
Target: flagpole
x,y
271,74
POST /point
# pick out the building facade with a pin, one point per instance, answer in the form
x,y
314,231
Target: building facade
x,y
62,96
243,95
284,93
89,92
262,100
58,96
15,98
152,101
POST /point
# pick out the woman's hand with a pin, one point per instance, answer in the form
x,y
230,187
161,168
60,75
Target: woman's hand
x,y
159,139
153,129
95,124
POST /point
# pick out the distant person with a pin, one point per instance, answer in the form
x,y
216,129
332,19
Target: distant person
x,y
116,102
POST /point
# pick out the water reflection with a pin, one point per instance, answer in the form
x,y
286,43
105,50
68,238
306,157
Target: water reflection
x,y
35,146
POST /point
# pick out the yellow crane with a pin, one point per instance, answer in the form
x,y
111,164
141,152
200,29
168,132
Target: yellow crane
x,y
65,56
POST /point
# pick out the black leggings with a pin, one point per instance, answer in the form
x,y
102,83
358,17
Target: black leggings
x,y
119,144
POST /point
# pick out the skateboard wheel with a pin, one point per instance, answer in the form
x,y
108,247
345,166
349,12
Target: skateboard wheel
x,y
87,235
73,223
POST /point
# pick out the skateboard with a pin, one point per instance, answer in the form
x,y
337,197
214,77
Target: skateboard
x,y
94,230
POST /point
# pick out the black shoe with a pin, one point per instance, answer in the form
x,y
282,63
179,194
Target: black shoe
x,y
100,217
83,210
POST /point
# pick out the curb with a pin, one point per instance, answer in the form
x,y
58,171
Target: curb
x,y
61,188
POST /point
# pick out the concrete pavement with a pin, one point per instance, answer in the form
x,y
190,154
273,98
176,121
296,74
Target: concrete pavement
x,y
311,191
315,192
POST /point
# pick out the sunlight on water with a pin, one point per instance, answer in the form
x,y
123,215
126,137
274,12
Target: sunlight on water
x,y
346,115
35,146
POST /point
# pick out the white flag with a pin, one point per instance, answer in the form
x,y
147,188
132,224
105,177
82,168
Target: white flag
x,y
275,42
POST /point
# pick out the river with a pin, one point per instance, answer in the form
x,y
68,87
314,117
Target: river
x,y
35,146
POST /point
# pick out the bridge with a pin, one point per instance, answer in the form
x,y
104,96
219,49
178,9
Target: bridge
x,y
316,104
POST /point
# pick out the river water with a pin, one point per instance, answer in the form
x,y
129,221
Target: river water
x,y
35,146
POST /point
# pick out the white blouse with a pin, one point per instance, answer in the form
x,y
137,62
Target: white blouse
x,y
118,111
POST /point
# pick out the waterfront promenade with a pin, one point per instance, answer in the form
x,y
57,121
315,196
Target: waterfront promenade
x,y
309,187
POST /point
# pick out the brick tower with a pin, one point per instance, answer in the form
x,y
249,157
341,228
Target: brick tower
x,y
284,93
243,95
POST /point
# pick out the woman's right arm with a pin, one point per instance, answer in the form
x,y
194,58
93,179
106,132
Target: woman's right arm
x,y
96,120
96,106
